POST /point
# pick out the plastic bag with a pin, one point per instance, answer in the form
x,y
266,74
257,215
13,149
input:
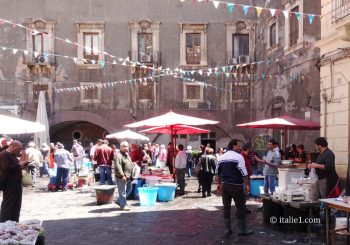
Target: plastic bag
x,y
26,178
313,175
136,170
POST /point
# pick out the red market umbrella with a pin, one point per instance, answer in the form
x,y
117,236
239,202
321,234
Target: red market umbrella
x,y
284,123
169,119
176,129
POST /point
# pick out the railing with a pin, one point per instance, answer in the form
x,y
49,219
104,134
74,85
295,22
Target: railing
x,y
340,9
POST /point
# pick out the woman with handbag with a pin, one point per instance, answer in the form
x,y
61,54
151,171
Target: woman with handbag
x,y
206,170
10,181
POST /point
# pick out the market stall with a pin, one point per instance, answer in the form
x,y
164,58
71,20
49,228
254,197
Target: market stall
x,y
24,232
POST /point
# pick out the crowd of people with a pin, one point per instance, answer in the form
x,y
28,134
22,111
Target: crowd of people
x,y
232,167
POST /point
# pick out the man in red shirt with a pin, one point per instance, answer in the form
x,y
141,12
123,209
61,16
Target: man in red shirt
x,y
136,154
104,156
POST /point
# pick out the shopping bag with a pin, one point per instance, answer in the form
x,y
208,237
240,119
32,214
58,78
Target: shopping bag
x,y
26,178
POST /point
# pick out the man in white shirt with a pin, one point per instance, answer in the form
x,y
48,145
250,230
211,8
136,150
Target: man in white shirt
x,y
180,166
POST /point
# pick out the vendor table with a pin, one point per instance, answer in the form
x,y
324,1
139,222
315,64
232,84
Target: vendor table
x,y
299,205
338,205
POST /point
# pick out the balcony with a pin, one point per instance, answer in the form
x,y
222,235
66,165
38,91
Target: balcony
x,y
340,9
149,58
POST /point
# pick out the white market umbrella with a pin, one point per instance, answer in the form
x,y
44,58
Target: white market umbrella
x,y
127,134
41,118
13,125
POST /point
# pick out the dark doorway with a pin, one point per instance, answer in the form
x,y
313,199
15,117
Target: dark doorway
x,y
212,143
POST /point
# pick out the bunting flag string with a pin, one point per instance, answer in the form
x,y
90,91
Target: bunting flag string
x,y
109,84
34,32
231,6
100,63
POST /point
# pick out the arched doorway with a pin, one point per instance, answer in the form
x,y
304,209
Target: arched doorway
x,y
83,131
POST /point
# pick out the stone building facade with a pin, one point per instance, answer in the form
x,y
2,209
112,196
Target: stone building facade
x,y
93,39
334,79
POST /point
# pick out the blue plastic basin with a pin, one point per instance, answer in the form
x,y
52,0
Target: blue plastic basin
x,y
148,195
166,192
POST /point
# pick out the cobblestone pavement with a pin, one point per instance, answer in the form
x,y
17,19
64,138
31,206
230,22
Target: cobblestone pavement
x,y
73,217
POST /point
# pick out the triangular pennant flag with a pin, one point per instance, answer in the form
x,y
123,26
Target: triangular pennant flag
x,y
298,15
93,61
36,54
216,69
200,72
227,75
223,69
68,41
311,18
245,9
273,11
216,4
25,52
230,7
114,62
258,11
286,14
34,32
124,63
192,72
263,76
14,51
75,60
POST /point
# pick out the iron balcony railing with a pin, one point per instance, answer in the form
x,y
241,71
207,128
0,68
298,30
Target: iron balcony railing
x,y
340,9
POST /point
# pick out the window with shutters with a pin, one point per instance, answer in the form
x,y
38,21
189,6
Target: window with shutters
x,y
91,44
240,92
193,45
146,91
40,42
193,48
91,49
193,92
273,34
90,94
294,25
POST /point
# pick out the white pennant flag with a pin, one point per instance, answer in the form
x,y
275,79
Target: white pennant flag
x,y
68,41
93,61
14,51
3,48
273,11
75,60
114,62
286,14
34,32
216,4
25,52
124,63
36,54
200,72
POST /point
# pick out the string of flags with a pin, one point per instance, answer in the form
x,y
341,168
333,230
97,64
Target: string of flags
x,y
109,84
125,61
100,63
258,10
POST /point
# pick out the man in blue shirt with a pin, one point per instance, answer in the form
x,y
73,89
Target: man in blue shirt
x,y
231,173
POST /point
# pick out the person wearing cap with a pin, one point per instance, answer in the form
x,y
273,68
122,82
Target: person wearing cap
x,y
64,160
35,158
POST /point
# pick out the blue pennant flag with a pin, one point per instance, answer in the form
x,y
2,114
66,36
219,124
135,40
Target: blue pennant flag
x,y
245,9
223,69
311,18
263,76
230,7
